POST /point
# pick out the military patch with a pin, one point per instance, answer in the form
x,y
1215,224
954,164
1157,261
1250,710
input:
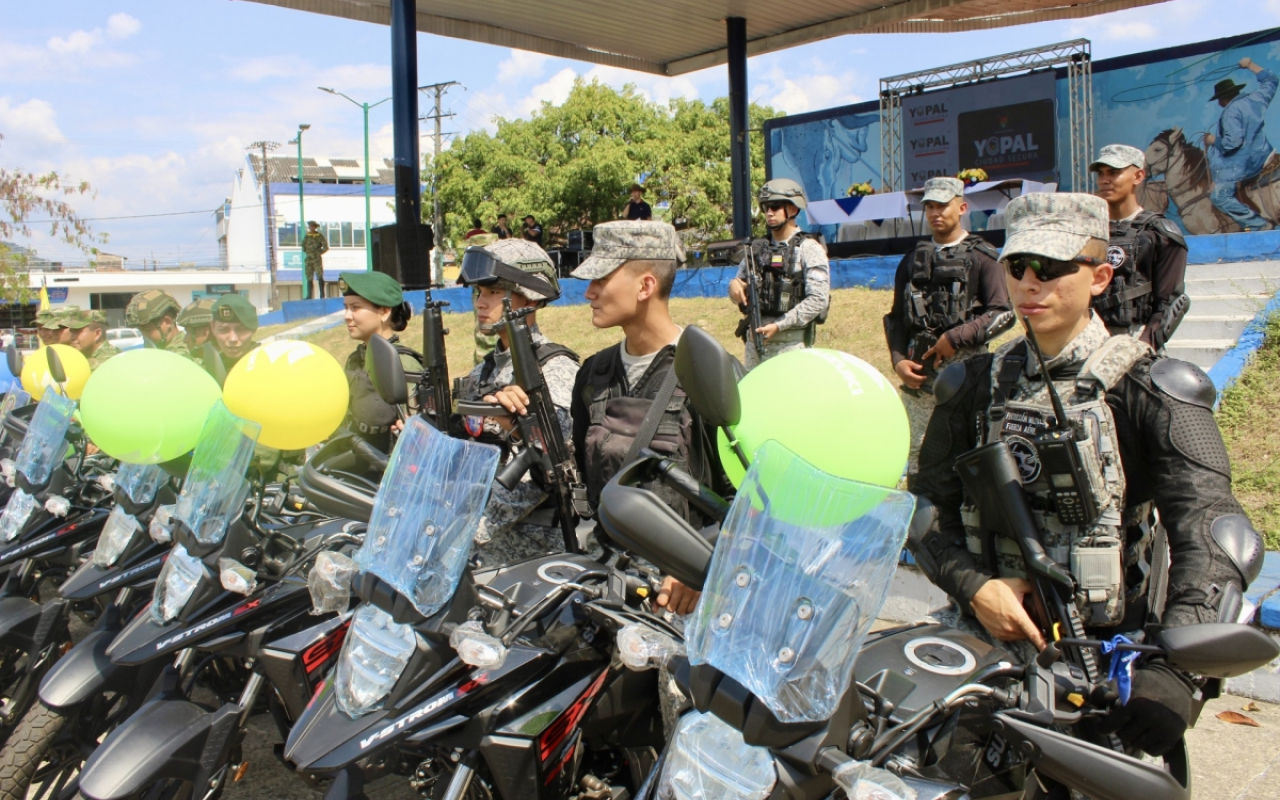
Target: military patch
x,y
473,425
1027,457
342,286
1115,256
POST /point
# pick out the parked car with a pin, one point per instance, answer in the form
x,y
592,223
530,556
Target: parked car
x,y
125,338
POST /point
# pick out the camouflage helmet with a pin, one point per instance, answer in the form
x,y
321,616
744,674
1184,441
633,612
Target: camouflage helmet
x,y
82,318
198,314
785,190
529,257
149,306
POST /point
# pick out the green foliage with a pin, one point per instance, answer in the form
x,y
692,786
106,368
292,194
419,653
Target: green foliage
x,y
1247,416
570,165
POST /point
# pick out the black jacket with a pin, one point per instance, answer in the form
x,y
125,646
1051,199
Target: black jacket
x,y
1172,454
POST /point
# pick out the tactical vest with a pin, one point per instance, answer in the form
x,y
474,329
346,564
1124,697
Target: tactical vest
x,y
1127,303
477,387
942,290
781,274
368,415
1099,555
616,417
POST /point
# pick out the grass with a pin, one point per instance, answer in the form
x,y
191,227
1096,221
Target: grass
x,y
1247,417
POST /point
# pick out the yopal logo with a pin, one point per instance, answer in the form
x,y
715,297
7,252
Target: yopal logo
x,y
1002,145
930,110
929,142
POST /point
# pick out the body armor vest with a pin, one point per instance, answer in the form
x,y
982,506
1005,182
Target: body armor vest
x,y
1099,554
942,291
781,274
480,386
1127,303
368,416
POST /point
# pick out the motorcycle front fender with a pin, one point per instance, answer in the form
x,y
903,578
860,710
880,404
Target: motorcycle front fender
x,y
19,619
86,672
164,740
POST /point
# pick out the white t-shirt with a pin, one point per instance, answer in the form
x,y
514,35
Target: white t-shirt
x,y
637,366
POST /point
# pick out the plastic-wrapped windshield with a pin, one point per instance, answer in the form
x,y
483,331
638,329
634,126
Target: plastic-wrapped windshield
x,y
216,487
46,441
802,566
140,482
430,502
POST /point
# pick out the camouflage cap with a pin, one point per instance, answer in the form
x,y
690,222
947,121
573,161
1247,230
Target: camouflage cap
x,y
76,318
47,319
149,306
1054,225
198,313
236,308
529,257
942,190
621,241
1119,156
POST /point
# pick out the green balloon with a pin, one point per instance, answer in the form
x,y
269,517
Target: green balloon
x,y
147,406
833,410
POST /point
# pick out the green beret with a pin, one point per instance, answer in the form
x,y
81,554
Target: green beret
x,y
376,287
236,308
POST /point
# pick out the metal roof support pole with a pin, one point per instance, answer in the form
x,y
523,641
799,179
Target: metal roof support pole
x,y
891,170
739,143
404,123
1080,116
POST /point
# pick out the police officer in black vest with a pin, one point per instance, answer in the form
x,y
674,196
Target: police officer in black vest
x,y
1148,253
949,300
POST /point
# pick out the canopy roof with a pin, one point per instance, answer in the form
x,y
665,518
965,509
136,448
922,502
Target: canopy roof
x,y
672,37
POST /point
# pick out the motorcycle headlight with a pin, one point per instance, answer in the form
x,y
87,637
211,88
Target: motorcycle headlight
x,y
16,514
161,528
477,648
116,535
57,505
709,761
177,582
376,651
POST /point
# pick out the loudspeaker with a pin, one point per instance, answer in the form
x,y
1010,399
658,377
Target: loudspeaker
x,y
581,240
728,253
566,260
386,256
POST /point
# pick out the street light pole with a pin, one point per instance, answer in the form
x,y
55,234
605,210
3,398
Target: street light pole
x,y
368,227
302,214
268,217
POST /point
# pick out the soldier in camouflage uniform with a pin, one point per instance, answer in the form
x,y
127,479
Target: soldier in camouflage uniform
x,y
50,329
314,246
155,313
195,320
518,523
485,342
235,320
1145,437
89,336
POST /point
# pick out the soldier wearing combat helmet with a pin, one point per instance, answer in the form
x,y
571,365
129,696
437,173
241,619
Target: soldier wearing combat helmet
x,y
88,332
520,522
1147,252
195,320
793,277
1142,432
155,313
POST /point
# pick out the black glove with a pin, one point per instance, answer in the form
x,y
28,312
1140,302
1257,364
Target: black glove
x,y
1158,712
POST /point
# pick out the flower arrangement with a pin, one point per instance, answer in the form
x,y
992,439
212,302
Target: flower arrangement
x,y
860,190
972,176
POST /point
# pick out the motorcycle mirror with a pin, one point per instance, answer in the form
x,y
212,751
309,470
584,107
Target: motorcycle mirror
x,y
639,522
213,362
708,377
382,362
15,360
56,371
1217,649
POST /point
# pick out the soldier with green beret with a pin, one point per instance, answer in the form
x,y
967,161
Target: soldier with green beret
x,y
155,313
195,320
231,330
89,336
50,329
373,304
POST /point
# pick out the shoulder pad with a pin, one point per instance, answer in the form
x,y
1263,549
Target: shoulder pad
x,y
550,350
948,382
984,247
1113,360
1183,381
1161,225
1172,231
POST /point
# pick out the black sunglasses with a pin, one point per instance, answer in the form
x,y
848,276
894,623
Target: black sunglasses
x,y
775,205
1046,269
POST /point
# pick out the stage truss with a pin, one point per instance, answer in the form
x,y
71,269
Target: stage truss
x,y
1075,56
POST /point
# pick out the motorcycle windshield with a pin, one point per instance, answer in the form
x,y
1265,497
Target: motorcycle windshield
x,y
46,441
140,482
428,507
802,566
216,487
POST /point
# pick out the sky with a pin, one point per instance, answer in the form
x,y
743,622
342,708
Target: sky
x,y
153,102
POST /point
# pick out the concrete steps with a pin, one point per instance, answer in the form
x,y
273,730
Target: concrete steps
x,y
1224,300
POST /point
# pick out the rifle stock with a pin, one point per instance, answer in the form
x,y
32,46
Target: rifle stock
x,y
435,400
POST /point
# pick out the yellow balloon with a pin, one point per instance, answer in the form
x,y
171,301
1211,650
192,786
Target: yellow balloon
x,y
297,392
36,377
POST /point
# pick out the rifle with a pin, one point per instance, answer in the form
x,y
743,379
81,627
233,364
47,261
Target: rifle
x,y
433,387
545,450
753,323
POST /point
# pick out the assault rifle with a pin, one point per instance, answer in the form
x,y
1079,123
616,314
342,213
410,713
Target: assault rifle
x,y
749,328
433,387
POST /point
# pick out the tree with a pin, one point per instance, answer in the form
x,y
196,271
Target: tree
x,y
23,197
570,165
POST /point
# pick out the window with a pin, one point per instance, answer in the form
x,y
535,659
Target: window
x,y
357,237
346,235
288,235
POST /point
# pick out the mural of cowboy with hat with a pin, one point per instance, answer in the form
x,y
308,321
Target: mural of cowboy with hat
x,y
1239,148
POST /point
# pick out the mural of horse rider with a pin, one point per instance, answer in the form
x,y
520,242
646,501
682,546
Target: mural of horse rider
x,y
1239,149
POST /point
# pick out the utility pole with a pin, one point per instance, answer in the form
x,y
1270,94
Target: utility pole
x,y
266,146
437,265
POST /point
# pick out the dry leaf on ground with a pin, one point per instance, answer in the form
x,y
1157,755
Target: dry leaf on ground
x,y
1236,718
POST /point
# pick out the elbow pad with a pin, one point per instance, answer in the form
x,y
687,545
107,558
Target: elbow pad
x,y
1236,536
924,540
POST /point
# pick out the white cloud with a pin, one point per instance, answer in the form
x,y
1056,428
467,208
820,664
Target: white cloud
x,y
78,42
796,92
33,119
1130,31
554,91
122,26
522,65
253,70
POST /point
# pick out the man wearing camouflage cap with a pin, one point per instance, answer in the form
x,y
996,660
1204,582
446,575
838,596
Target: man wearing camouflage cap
x,y
155,313
949,300
235,321
1146,295
89,336
195,320
1144,435
50,329
793,277
632,269
518,523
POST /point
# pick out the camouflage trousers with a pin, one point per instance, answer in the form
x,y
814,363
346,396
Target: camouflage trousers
x,y
771,349
920,404
313,273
